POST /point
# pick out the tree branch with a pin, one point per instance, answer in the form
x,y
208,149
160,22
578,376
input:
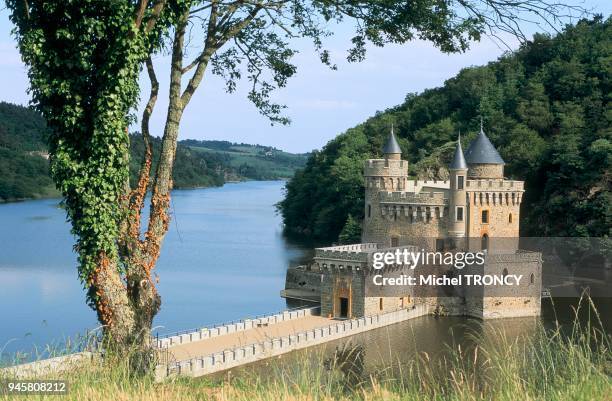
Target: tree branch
x,y
142,8
138,194
158,7
212,44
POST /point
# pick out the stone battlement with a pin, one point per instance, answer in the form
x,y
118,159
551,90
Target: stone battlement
x,y
351,248
520,256
422,198
352,253
416,186
384,167
494,185
351,256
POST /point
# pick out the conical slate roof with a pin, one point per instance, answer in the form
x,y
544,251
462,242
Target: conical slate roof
x,y
392,146
458,161
482,151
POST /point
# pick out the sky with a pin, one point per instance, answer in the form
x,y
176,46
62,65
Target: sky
x,y
321,103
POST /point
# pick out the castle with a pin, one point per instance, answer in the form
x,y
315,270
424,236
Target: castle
x,y
477,209
476,201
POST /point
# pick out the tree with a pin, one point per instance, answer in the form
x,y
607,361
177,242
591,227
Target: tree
x,y
351,233
83,59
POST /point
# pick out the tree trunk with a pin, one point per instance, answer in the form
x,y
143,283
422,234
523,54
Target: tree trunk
x,y
112,304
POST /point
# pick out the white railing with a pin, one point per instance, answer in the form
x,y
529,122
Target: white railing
x,y
230,358
203,333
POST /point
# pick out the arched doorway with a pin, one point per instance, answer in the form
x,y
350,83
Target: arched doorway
x,y
484,243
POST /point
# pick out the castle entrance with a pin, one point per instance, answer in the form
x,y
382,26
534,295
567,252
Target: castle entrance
x,y
342,298
344,307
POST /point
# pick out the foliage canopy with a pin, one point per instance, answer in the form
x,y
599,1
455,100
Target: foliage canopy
x,y
546,108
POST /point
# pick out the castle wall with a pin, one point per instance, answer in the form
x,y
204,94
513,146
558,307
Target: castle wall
x,y
510,301
486,171
502,199
372,305
403,218
301,279
347,284
419,230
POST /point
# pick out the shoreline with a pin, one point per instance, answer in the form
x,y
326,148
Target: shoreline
x,y
59,197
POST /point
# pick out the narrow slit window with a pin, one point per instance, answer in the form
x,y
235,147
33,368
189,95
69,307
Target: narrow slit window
x,y
460,182
459,213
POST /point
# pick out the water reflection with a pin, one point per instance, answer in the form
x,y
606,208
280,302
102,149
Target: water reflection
x,y
384,351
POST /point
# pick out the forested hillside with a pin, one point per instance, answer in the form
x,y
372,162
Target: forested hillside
x,y
255,162
24,165
545,107
23,159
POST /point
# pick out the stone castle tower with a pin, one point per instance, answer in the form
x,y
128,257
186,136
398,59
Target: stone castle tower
x,y
477,208
476,204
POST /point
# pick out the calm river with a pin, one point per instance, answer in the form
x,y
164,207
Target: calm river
x,y
224,258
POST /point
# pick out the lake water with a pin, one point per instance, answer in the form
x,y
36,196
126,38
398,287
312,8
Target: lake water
x,y
224,258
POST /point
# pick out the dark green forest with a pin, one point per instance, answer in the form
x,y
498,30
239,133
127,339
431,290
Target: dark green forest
x,y
24,169
546,109
24,165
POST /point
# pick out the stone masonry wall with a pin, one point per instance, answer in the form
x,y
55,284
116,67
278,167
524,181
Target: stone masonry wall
x,y
409,230
486,171
510,301
328,292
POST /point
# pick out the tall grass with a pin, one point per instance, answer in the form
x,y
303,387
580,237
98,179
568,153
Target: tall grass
x,y
563,363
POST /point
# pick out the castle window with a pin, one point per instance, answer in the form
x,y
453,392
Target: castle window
x,y
484,243
460,179
505,272
485,217
510,218
459,213
531,279
369,211
394,242
380,304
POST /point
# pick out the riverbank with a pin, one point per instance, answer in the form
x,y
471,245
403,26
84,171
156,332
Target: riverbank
x,y
54,194
547,365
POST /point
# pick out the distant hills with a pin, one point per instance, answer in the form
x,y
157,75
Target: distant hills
x,y
253,161
24,165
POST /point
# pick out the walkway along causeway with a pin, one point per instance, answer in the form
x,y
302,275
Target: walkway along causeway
x,y
208,351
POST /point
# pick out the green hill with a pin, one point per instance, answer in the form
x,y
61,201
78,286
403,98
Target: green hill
x,y
24,165
255,162
23,159
546,108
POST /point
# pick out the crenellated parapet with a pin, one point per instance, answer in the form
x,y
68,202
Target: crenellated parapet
x,y
495,198
411,198
346,250
385,167
502,185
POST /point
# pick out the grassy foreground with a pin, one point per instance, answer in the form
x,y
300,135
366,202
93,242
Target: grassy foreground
x,y
571,364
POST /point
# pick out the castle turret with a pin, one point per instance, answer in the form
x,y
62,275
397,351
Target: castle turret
x,y
458,169
483,159
382,175
392,150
